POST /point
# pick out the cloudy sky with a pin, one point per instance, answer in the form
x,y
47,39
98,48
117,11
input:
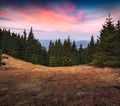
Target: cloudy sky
x,y
53,19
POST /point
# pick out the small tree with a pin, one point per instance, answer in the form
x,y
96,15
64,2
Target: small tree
x,y
91,49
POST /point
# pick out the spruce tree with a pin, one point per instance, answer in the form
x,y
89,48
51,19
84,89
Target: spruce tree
x,y
67,52
31,52
91,49
0,37
55,53
23,42
104,54
74,58
81,55
58,52
116,44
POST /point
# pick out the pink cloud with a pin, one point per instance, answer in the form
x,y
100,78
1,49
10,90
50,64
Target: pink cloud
x,y
3,13
62,19
44,17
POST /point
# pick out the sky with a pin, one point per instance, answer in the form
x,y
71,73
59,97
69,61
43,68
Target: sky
x,y
53,19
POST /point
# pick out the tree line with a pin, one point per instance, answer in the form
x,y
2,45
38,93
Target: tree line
x,y
104,52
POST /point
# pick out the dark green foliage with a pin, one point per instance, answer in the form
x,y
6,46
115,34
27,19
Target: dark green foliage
x,y
62,54
104,52
34,52
108,48
85,55
31,50
0,48
0,38
81,57
90,50
69,53
23,47
0,57
117,42
55,53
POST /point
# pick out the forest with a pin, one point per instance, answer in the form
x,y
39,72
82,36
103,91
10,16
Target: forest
x,y
105,52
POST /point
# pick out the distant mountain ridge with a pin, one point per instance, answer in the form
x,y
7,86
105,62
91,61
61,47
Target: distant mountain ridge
x,y
84,43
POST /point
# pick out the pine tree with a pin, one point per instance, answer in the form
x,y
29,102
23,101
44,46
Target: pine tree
x,y
81,56
92,42
58,52
0,38
55,53
32,46
25,35
74,58
91,49
31,35
44,60
116,44
104,54
66,52
51,54
23,42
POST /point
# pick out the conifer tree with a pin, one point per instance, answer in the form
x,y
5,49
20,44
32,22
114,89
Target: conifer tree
x,y
74,58
31,52
58,52
25,35
51,54
0,37
116,44
104,54
91,49
23,42
66,52
81,55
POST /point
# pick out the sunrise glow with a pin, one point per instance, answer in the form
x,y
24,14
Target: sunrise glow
x,y
57,19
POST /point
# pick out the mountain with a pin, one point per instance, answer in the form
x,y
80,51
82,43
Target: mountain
x,y
84,43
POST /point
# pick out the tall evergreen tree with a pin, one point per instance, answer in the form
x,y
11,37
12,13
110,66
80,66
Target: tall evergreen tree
x,y
74,58
104,55
51,54
116,44
81,56
0,37
25,35
91,49
58,52
23,42
66,52
31,52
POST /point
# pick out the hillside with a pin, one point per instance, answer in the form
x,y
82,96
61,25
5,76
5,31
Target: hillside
x,y
25,84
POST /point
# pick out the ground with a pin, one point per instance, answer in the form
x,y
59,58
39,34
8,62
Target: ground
x,y
25,84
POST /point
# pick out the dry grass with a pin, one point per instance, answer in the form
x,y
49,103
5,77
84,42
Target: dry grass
x,y
25,84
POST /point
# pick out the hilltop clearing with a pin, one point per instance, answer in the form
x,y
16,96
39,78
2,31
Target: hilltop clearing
x,y
25,84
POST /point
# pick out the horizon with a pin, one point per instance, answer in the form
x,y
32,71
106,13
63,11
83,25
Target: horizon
x,y
54,19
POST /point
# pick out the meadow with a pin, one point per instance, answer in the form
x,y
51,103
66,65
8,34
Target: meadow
x,y
26,84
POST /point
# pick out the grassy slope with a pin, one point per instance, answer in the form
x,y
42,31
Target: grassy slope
x,y
25,84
